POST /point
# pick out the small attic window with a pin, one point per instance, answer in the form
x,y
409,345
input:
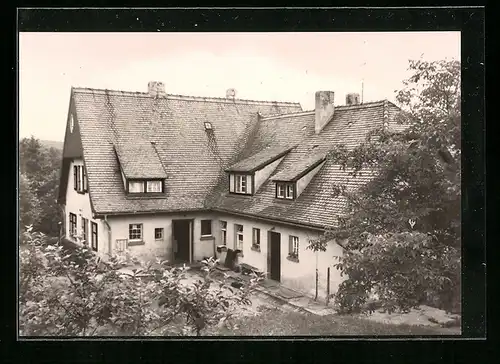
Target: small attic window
x,y
208,125
71,123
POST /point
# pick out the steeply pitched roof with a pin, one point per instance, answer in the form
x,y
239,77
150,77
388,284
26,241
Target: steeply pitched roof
x,y
317,205
193,159
259,160
139,161
297,170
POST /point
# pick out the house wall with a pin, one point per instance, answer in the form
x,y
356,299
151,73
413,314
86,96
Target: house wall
x,y
163,248
298,275
304,181
79,204
263,174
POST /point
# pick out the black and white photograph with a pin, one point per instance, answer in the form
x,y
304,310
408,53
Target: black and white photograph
x,y
248,184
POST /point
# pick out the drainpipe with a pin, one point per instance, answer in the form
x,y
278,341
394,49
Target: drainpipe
x,y
110,245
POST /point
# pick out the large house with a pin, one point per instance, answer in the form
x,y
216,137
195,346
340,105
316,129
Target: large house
x,y
174,177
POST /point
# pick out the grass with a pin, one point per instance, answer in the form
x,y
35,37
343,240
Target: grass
x,y
278,323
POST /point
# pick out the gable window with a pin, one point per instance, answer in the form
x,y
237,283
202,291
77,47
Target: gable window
x,y
135,231
158,233
223,232
293,248
239,236
79,179
72,224
94,236
206,227
285,190
85,230
145,186
256,239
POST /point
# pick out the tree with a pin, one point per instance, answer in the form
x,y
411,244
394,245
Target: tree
x,y
75,293
29,205
404,225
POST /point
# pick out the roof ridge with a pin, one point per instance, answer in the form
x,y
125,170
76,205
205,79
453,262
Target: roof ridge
x,y
176,96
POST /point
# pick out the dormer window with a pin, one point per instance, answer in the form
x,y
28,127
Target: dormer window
x,y
240,183
285,190
208,126
144,186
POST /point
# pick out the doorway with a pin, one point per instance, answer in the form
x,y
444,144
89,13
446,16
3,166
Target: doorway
x,y
274,256
182,240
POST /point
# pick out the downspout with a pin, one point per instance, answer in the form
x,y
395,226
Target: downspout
x,y
110,245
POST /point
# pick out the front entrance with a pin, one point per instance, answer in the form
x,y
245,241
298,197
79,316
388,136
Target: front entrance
x,y
274,256
182,240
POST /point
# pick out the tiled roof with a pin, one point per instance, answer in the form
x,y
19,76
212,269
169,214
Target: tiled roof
x,y
193,159
295,171
259,159
139,160
317,205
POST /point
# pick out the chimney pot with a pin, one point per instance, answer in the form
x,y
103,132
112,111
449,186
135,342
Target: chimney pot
x,y
231,93
352,99
324,101
156,88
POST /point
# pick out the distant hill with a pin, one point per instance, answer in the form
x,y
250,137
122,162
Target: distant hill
x,y
52,143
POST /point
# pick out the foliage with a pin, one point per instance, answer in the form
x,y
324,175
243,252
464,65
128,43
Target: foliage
x,y
78,294
39,181
404,225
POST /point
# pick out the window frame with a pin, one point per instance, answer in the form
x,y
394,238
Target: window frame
x,y
239,181
95,236
287,188
256,234
239,233
80,183
85,230
73,225
293,247
223,230
201,228
141,231
161,230
144,183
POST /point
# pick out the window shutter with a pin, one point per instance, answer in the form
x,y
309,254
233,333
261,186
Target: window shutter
x,y
231,183
290,245
75,177
249,184
84,178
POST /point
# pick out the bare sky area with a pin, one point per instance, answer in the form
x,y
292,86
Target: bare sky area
x,y
260,66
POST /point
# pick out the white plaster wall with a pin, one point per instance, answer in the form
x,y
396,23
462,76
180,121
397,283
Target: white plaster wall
x,y
79,204
304,181
163,249
263,174
299,275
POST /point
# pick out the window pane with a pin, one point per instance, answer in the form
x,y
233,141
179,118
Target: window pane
x,y
154,186
159,233
206,227
289,191
135,231
223,225
136,187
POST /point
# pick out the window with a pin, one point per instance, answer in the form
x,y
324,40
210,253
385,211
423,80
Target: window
x,y
280,190
85,230
239,236
94,236
241,184
206,227
71,123
79,179
136,187
256,239
72,224
135,231
293,251
145,186
223,232
153,186
285,190
158,233
208,125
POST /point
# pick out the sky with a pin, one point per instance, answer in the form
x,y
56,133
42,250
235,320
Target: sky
x,y
260,66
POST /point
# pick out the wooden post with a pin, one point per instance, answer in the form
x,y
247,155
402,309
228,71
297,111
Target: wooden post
x,y
328,286
316,296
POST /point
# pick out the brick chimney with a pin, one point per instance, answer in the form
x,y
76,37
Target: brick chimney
x,y
324,109
352,99
156,88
